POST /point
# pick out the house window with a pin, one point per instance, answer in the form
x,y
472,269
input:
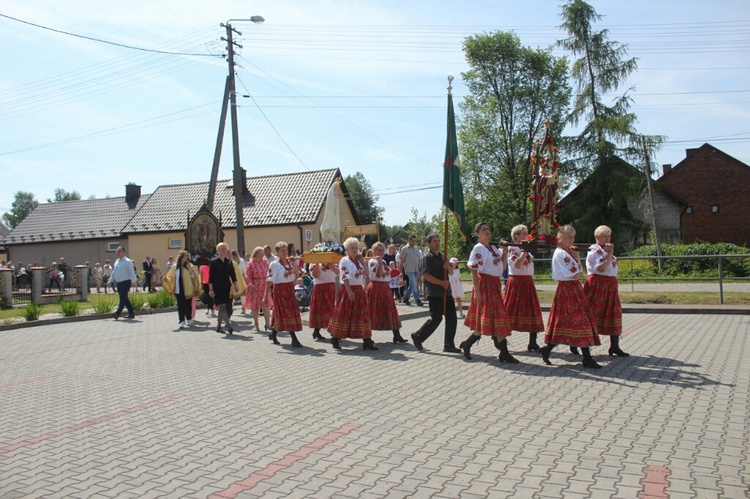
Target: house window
x,y
714,208
112,247
689,210
175,243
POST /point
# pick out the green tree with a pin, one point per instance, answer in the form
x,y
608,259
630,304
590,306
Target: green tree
x,y
600,69
421,226
363,198
63,195
513,90
23,204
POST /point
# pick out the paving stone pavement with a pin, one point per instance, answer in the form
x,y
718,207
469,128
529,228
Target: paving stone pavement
x,y
141,409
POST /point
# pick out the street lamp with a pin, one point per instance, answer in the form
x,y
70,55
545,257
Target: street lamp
x,y
237,174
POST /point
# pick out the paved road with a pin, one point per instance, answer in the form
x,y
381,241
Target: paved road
x,y
139,409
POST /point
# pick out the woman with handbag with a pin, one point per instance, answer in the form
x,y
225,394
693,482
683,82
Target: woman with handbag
x,y
183,281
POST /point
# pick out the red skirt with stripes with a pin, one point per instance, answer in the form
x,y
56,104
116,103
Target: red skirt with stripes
x,y
285,311
383,313
322,304
570,322
489,317
522,304
604,303
351,319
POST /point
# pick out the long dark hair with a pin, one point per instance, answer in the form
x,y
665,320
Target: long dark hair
x,y
187,260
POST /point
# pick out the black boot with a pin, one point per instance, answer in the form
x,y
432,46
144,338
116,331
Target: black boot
x,y
335,343
533,345
466,345
545,351
369,345
505,355
614,348
588,360
295,341
273,337
317,336
397,337
574,351
497,343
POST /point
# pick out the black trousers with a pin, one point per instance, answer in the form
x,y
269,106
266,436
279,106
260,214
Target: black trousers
x,y
436,317
123,287
147,281
184,306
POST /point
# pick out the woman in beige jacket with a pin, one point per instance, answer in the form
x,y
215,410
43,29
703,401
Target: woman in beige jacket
x,y
183,281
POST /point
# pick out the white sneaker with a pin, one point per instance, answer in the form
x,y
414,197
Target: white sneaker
x,y
189,323
181,325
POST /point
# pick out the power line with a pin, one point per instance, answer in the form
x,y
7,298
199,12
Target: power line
x,y
105,41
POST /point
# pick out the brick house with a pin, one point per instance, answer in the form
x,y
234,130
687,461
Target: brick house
x,y
714,187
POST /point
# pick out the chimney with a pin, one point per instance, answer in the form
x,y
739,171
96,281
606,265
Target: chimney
x,y
243,177
666,167
132,194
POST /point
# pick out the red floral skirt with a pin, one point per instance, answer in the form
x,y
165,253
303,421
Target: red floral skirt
x,y
256,288
570,322
322,304
489,316
383,313
351,319
604,303
522,304
285,311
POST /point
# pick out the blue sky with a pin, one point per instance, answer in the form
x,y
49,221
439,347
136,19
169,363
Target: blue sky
x,y
358,85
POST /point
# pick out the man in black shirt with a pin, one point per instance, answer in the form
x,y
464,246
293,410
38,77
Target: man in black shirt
x,y
220,282
437,284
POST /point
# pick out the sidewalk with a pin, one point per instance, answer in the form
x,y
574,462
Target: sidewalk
x,y
141,409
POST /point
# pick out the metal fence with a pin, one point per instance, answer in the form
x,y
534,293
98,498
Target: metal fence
x,y
21,288
717,269
56,281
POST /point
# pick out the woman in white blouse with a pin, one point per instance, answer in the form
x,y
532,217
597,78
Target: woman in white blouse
x,y
570,322
351,318
282,276
486,314
601,289
383,313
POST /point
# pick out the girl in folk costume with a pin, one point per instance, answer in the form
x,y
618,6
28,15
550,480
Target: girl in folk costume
x,y
570,321
521,300
351,318
457,288
486,315
183,281
282,276
323,299
383,313
601,289
256,273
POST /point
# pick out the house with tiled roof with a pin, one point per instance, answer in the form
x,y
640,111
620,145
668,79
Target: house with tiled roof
x,y
4,231
287,207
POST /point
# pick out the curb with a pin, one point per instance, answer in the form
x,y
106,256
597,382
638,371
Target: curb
x,y
79,318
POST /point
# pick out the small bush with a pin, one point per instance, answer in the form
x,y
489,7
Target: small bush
x,y
162,299
104,305
32,311
69,308
707,267
137,300
60,298
5,304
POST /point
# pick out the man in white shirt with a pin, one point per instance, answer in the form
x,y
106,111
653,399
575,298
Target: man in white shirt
x,y
270,257
410,264
123,275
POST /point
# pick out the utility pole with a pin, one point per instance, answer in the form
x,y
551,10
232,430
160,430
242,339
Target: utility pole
x,y
653,206
237,174
217,151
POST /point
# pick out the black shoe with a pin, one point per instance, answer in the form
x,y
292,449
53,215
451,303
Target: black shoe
x,y
507,357
419,303
318,337
417,342
369,345
116,315
591,363
397,338
406,302
465,345
295,341
497,342
335,343
273,337
618,352
574,351
533,347
219,330
451,349
230,330
545,351
131,316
